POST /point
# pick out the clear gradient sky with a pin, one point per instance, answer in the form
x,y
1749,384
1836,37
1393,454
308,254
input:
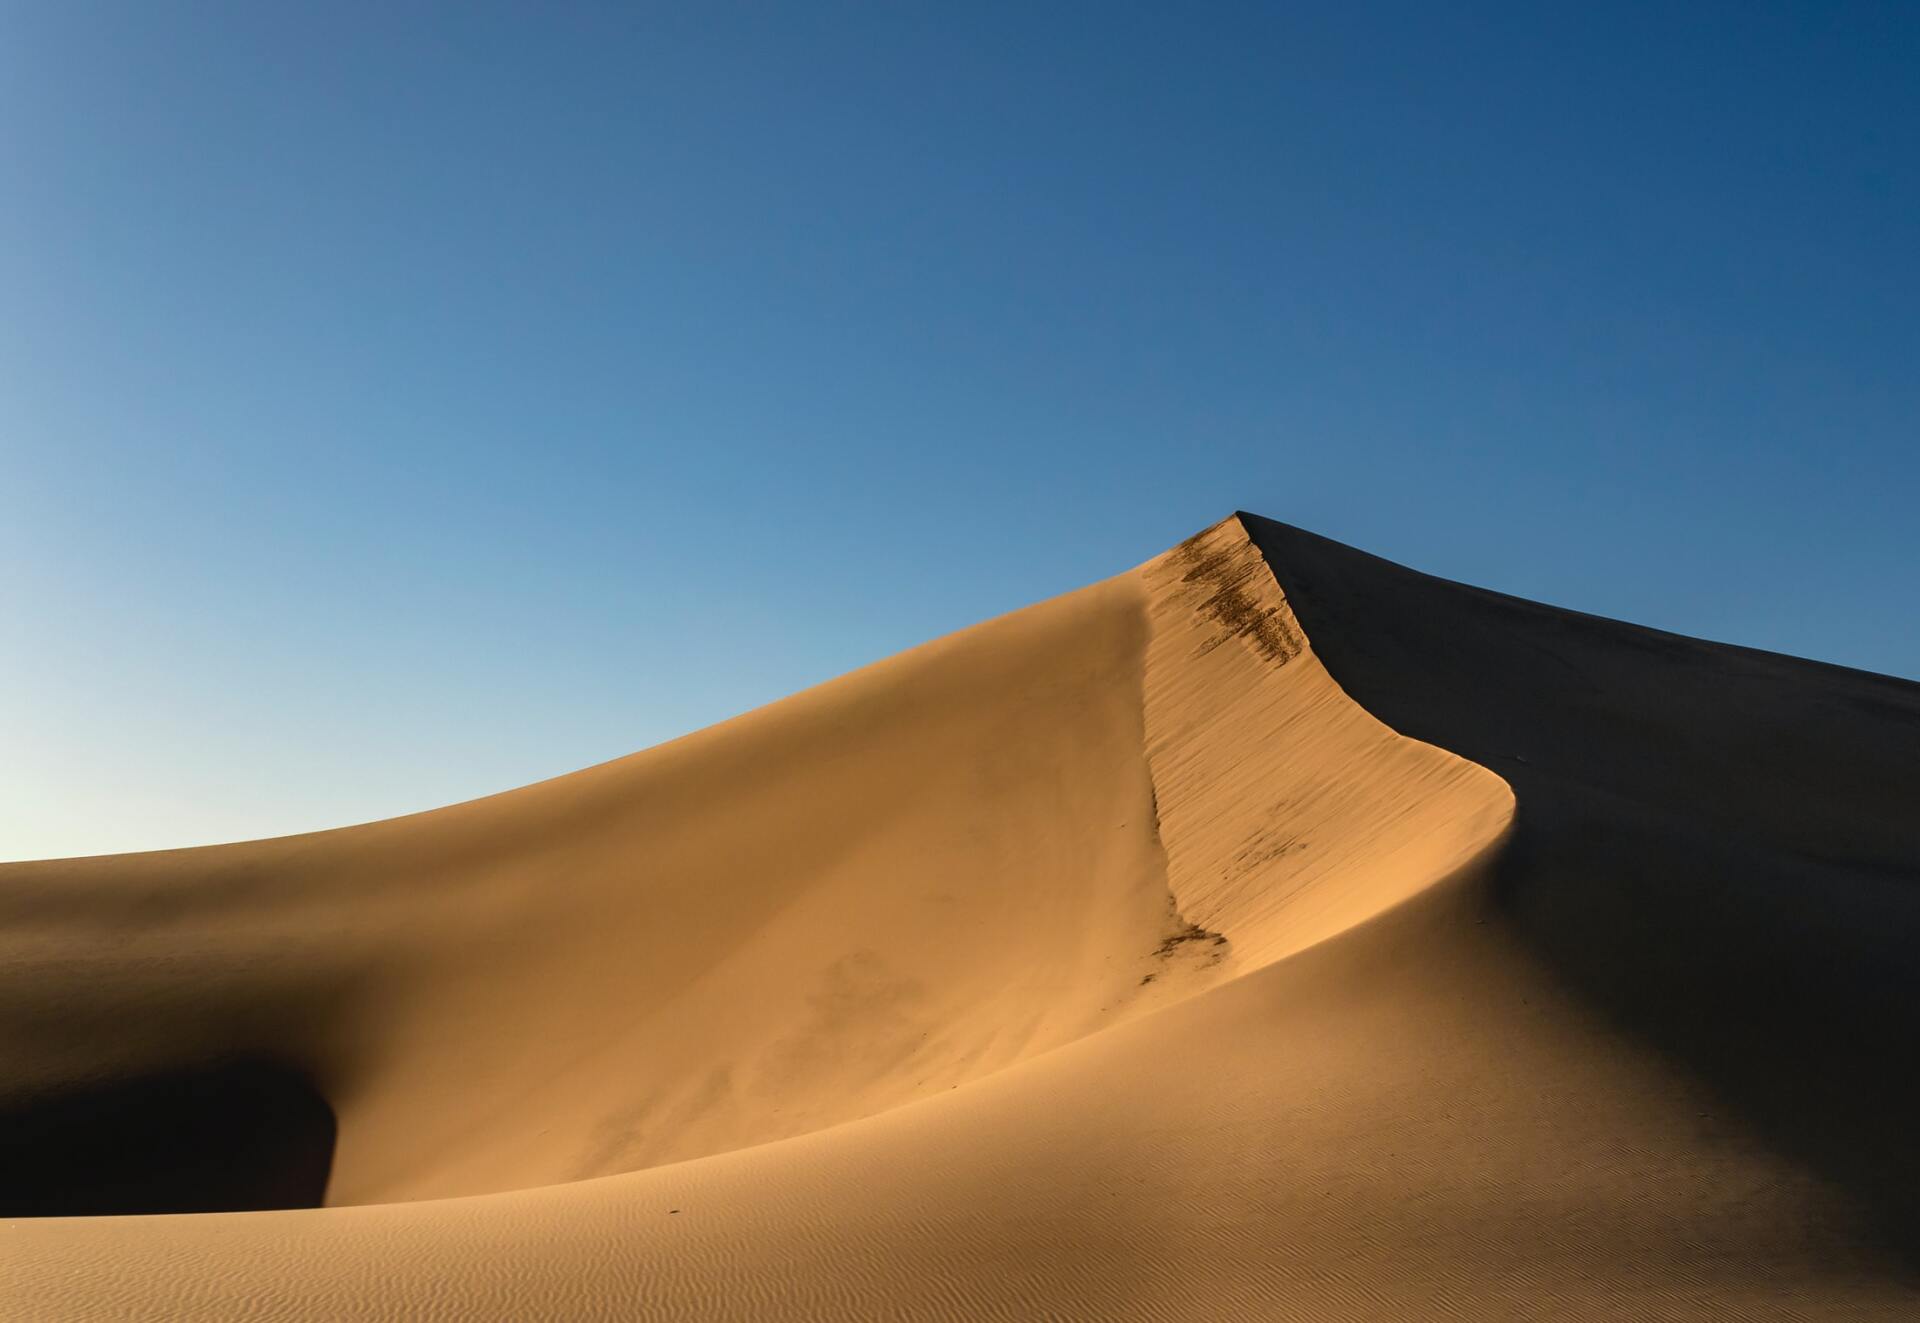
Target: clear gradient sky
x,y
403,402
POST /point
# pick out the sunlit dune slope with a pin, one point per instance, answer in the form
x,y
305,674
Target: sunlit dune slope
x,y
869,893
1106,960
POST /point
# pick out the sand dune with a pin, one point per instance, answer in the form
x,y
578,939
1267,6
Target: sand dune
x,y
1173,949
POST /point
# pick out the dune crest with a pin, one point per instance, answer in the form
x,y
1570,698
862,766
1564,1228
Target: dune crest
x,y
1104,960
1288,812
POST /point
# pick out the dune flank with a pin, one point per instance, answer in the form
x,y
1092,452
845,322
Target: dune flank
x,y
1266,932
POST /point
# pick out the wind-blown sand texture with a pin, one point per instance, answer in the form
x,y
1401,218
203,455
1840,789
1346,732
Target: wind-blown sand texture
x,y
1267,932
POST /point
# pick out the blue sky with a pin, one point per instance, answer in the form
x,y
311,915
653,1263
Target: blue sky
x,y
403,402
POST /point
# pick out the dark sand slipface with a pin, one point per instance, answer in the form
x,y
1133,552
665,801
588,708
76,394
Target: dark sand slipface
x,y
1268,932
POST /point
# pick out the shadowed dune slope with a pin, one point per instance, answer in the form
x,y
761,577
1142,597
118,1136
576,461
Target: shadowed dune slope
x,y
1106,960
1717,847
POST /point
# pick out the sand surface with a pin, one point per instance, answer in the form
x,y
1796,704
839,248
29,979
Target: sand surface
x,y
1266,932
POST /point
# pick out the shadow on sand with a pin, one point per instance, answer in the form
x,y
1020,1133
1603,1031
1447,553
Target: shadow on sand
x,y
1717,847
236,1136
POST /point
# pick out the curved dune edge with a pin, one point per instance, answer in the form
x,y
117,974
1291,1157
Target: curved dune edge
x,y
1288,812
891,991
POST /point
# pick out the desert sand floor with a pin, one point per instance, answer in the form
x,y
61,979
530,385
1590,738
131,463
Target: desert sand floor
x,y
1269,932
